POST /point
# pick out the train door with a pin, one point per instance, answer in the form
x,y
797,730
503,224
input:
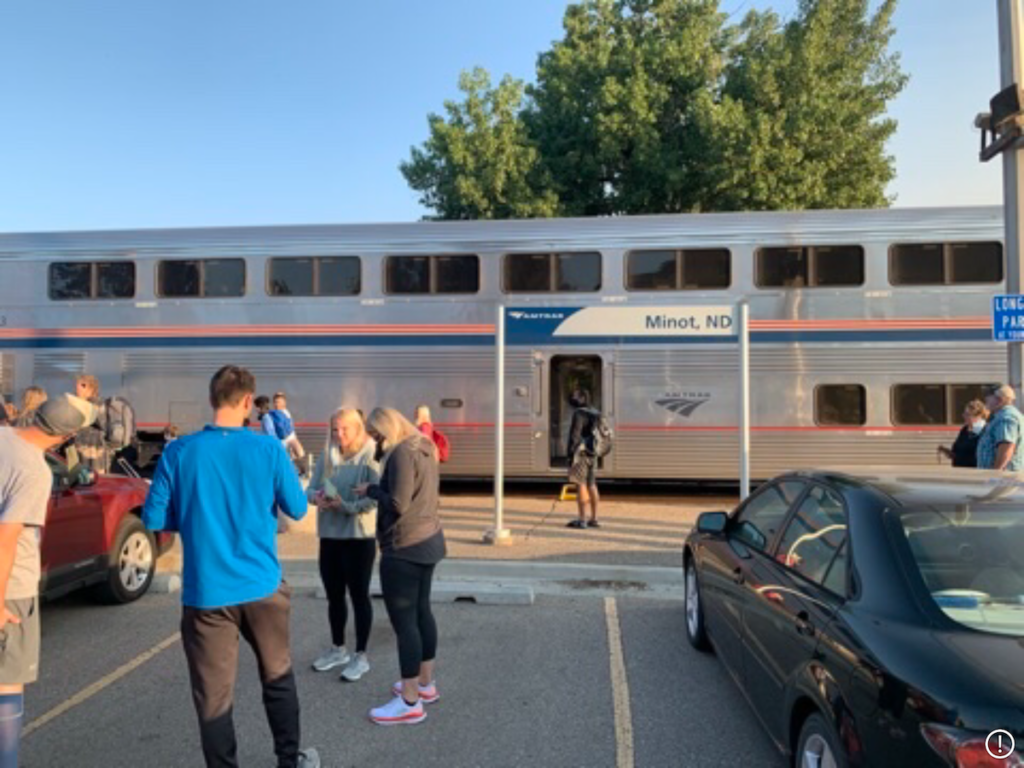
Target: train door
x,y
568,373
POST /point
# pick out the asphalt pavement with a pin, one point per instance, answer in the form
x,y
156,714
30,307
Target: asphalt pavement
x,y
535,685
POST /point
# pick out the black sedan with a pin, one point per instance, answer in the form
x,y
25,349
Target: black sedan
x,y
871,619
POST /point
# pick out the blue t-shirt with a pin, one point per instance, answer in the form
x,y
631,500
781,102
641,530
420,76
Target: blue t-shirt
x,y
219,489
1005,426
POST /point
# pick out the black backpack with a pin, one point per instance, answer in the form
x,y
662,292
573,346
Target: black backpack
x,y
119,426
601,438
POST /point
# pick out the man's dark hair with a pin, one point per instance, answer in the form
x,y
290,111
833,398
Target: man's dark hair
x,y
580,399
229,385
262,403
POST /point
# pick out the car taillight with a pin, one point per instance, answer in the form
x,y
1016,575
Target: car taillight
x,y
967,749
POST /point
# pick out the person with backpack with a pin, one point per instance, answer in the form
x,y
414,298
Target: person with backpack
x,y
90,444
277,423
425,425
590,439
291,439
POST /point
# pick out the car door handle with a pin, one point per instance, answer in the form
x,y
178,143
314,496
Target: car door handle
x,y
804,625
737,575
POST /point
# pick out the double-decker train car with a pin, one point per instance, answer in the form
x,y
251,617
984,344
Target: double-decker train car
x,y
869,329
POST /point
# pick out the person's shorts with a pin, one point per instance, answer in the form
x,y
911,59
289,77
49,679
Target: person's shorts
x,y
582,471
19,644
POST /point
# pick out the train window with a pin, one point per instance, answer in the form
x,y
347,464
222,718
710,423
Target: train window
x,y
207,278
923,404
92,280
680,270
115,279
308,276
70,280
339,276
810,266
553,272
841,405
432,274
946,263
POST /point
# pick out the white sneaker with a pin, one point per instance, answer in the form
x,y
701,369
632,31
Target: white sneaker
x,y
309,758
336,657
397,712
428,693
357,667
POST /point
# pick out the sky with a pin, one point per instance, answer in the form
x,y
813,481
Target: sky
x,y
141,113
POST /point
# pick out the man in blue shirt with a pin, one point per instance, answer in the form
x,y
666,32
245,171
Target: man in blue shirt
x,y
219,489
999,446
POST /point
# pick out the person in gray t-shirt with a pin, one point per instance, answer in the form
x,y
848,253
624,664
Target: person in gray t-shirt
x,y
25,486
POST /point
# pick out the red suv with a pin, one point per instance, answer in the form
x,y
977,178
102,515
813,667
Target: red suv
x,y
94,536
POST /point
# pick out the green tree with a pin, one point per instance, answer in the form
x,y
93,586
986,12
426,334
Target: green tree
x,y
479,162
652,106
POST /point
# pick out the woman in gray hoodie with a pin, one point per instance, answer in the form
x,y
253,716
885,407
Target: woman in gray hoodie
x,y
347,526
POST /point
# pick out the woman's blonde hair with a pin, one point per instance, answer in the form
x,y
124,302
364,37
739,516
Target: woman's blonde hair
x,y
393,427
32,398
91,382
333,454
977,408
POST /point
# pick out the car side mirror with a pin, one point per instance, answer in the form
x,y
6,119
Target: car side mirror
x,y
712,523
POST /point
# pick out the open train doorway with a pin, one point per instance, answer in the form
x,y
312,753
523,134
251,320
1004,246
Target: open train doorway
x,y
569,373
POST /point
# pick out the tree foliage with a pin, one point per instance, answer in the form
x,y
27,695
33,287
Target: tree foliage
x,y
655,106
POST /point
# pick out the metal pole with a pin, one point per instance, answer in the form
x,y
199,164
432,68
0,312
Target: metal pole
x,y
499,535
744,339
1012,72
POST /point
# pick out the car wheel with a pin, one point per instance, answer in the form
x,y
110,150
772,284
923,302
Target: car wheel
x,y
694,608
131,563
818,746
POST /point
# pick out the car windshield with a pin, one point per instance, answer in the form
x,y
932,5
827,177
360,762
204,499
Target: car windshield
x,y
972,561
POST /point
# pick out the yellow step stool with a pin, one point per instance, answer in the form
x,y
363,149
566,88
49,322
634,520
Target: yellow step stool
x,y
568,493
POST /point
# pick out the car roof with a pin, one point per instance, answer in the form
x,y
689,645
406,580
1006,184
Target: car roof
x,y
929,486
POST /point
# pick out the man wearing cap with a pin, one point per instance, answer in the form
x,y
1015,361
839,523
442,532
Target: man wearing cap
x,y
999,446
25,486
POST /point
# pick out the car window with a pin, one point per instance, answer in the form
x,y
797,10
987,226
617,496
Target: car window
x,y
815,535
757,522
971,558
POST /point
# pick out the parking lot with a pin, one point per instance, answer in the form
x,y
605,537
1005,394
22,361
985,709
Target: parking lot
x,y
586,680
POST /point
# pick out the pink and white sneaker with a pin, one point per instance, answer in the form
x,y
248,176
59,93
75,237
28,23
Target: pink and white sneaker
x,y
428,693
397,712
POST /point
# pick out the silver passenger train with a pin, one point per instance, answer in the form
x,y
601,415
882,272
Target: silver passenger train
x,y
869,329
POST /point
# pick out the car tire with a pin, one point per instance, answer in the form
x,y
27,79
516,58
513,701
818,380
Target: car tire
x,y
693,608
819,745
131,563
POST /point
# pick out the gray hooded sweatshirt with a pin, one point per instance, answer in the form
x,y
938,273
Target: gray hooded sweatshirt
x,y
357,517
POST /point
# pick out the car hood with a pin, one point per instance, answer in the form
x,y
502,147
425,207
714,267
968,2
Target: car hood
x,y
119,484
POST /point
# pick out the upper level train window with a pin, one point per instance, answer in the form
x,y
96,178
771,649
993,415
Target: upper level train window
x,y
946,263
553,272
804,266
205,278
840,405
92,280
938,404
314,276
432,274
678,270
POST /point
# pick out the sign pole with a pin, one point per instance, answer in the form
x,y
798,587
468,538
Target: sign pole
x,y
1012,73
744,344
499,535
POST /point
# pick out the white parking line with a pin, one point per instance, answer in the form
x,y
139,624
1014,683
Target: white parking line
x,y
87,693
620,688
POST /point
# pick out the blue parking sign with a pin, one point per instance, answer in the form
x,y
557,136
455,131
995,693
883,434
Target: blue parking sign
x,y
1008,318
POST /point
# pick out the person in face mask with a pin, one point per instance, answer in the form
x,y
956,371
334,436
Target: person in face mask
x,y
964,452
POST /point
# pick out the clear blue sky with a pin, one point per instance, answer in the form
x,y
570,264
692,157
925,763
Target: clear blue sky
x,y
139,113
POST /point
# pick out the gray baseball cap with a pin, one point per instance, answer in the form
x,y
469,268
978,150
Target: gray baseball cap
x,y
65,415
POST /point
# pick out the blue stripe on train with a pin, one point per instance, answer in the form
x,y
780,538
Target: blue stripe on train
x,y
758,337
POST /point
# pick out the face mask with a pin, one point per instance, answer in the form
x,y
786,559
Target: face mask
x,y
978,425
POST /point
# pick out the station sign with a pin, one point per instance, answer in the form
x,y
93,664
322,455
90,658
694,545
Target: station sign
x,y
1008,318
533,324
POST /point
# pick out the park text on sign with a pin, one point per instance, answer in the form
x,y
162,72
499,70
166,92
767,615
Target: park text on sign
x,y
1008,318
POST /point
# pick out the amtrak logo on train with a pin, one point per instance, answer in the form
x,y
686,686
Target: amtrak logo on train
x,y
537,315
683,403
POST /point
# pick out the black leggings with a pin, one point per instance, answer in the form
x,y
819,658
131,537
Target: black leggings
x,y
347,565
406,588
